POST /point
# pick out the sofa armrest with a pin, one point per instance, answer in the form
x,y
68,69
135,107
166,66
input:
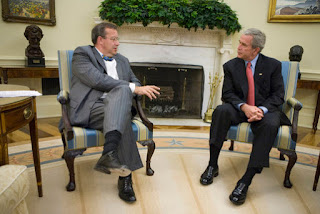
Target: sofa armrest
x,y
14,187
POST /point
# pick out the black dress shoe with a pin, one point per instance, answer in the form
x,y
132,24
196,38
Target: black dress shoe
x,y
126,192
109,162
239,194
207,177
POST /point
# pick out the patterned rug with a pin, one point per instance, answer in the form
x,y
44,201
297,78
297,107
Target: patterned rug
x,y
52,150
178,161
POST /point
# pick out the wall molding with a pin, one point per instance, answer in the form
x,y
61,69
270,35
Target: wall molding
x,y
20,61
310,74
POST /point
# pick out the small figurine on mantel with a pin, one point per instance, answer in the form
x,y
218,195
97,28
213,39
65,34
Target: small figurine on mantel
x,y
295,54
34,54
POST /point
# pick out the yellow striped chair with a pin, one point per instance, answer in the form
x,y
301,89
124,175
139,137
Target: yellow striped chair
x,y
287,135
77,139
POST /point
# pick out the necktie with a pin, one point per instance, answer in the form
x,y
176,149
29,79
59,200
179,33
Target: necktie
x,y
107,58
250,98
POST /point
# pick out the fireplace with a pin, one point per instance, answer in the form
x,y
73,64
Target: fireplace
x,y
205,50
181,89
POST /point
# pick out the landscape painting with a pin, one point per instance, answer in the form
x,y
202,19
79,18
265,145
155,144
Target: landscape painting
x,y
294,11
297,7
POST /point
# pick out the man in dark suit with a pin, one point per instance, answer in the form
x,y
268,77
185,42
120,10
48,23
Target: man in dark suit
x,y
253,91
102,88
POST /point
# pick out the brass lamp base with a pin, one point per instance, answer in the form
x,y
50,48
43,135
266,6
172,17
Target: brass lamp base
x,y
208,116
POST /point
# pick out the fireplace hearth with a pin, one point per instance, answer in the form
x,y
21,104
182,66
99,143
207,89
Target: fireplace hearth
x,y
181,89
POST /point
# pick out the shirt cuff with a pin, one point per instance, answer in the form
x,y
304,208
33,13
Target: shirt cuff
x,y
264,109
239,105
132,86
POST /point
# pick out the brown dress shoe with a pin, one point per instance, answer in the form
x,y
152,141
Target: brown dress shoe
x,y
109,163
126,192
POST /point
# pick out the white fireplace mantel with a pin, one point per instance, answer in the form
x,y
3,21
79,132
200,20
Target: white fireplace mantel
x,y
159,44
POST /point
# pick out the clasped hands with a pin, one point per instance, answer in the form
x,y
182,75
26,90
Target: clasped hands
x,y
149,90
253,113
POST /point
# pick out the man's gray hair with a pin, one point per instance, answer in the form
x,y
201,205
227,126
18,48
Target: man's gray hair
x,y
259,38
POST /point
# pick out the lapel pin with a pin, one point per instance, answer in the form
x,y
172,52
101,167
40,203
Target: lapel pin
x,y
260,74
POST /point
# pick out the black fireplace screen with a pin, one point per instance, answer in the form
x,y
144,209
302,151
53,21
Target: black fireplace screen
x,y
181,89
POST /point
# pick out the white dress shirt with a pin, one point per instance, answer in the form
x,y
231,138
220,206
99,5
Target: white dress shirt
x,y
112,72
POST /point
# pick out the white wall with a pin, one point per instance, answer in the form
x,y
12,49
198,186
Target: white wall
x,y
75,21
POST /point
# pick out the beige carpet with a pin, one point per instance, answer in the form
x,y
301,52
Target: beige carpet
x,y
178,163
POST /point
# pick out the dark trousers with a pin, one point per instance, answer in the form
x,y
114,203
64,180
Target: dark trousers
x,y
265,132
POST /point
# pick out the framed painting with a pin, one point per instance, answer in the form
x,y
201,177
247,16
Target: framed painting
x,y
294,11
29,11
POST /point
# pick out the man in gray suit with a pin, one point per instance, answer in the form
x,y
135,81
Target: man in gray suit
x,y
101,93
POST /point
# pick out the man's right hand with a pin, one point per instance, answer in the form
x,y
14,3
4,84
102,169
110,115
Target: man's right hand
x,y
253,113
149,90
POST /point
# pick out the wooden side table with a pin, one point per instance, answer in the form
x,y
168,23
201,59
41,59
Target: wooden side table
x,y
16,112
27,72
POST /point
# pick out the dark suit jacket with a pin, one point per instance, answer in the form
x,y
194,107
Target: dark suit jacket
x,y
268,82
90,80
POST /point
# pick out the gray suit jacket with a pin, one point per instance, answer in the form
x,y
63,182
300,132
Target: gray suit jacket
x,y
90,80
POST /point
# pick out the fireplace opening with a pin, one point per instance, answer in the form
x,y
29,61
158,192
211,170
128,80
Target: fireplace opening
x,y
181,89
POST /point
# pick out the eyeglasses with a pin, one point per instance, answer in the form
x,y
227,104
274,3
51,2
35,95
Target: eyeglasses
x,y
112,38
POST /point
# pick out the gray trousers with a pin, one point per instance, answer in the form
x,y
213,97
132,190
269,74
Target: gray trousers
x,y
114,113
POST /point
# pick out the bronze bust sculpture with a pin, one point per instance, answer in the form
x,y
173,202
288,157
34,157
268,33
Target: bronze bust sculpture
x,y
34,54
295,53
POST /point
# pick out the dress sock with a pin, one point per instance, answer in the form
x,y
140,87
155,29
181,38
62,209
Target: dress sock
x,y
248,175
112,141
214,155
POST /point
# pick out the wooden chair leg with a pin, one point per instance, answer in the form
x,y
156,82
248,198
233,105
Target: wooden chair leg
x,y
151,148
69,157
316,176
64,143
292,155
231,145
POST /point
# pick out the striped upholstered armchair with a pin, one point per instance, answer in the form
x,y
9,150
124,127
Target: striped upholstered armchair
x,y
287,135
77,139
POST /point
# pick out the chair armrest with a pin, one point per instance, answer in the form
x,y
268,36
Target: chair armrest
x,y
63,99
294,103
297,106
143,117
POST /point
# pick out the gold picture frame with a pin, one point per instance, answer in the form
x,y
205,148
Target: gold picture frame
x,y
290,11
29,11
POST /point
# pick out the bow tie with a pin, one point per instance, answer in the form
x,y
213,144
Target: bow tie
x,y
107,58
